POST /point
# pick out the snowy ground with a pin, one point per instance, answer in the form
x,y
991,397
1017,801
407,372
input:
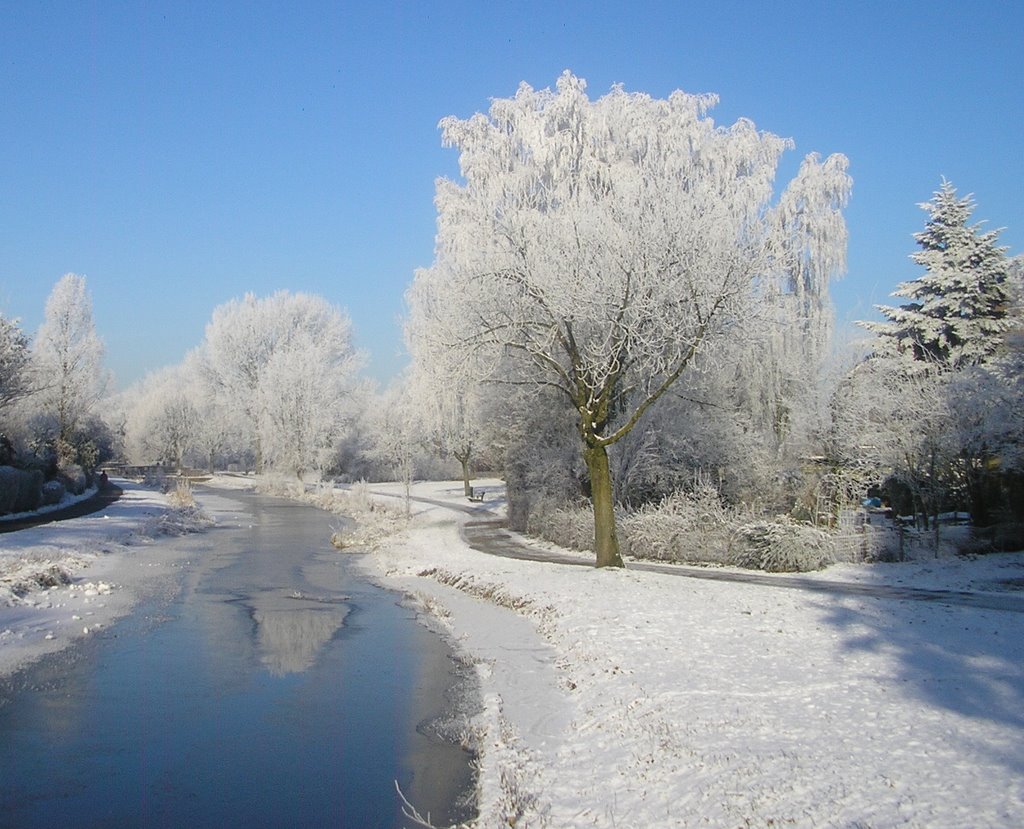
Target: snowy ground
x,y
69,579
634,699
638,699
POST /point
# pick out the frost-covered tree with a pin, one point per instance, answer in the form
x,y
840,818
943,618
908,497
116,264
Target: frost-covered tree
x,y
957,309
448,396
307,396
397,433
284,365
936,364
14,362
162,420
68,359
893,422
604,244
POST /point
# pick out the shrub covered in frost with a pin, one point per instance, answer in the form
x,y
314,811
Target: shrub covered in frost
x,y
30,490
8,488
780,546
73,478
566,525
52,492
685,526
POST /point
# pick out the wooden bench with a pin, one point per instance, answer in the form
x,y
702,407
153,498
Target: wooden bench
x,y
476,494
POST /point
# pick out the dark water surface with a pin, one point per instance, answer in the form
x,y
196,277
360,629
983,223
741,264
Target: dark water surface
x,y
276,689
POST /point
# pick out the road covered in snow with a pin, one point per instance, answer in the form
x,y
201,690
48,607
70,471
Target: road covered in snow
x,y
637,698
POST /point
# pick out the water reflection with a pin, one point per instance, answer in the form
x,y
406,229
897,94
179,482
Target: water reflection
x,y
257,698
291,630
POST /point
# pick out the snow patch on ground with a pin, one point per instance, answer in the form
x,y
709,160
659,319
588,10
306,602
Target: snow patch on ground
x,y
640,699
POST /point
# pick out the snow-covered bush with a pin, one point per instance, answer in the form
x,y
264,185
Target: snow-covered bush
x,y
73,478
181,496
780,546
566,525
687,526
691,526
30,486
52,493
8,488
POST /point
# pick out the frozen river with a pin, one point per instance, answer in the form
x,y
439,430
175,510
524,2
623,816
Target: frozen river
x,y
276,688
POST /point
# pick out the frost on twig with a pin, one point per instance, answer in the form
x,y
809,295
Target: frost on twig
x,y
410,812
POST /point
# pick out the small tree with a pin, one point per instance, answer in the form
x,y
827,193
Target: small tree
x,y
397,434
446,393
68,359
603,245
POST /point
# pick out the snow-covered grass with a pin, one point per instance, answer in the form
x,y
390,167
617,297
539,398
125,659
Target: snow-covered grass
x,y
640,699
68,579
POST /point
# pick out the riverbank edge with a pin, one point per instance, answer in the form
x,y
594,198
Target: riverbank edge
x,y
85,572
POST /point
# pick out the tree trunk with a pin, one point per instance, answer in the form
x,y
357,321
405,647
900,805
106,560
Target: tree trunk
x,y
463,458
606,542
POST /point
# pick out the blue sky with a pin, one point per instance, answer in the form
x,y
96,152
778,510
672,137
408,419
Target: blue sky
x,y
183,154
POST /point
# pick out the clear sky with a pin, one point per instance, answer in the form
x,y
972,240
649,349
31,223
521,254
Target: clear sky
x,y
182,154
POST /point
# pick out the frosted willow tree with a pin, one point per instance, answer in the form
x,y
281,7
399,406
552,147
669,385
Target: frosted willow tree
x,y
603,244
68,358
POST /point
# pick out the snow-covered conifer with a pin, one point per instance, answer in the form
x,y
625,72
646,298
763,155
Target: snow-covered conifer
x,y
957,309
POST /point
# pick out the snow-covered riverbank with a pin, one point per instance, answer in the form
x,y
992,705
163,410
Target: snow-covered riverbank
x,y
69,579
633,699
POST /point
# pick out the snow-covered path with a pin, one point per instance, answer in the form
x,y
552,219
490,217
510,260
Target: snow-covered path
x,y
640,699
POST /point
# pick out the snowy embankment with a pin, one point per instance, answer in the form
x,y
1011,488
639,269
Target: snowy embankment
x,y
72,578
638,699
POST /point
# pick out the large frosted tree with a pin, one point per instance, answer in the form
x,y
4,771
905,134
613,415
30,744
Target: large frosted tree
x,y
162,421
596,247
68,358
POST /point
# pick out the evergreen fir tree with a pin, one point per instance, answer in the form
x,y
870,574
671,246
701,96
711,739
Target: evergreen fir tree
x,y
958,309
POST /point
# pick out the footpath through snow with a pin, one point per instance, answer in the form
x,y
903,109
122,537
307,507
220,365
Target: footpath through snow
x,y
643,699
